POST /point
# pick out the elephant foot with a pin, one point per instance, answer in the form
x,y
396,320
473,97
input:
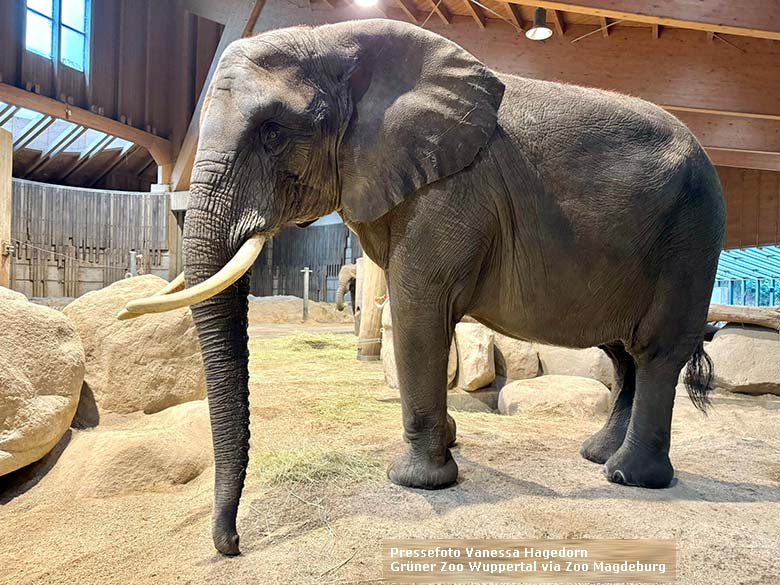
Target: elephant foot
x,y
600,446
639,467
413,470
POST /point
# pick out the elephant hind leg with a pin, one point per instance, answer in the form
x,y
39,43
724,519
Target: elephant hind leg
x,y
643,458
602,445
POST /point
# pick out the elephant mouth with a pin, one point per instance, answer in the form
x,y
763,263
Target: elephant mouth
x,y
175,296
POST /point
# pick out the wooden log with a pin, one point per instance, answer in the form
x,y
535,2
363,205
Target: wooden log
x,y
763,316
6,157
374,286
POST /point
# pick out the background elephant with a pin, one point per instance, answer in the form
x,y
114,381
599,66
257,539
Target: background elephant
x,y
348,282
347,279
548,212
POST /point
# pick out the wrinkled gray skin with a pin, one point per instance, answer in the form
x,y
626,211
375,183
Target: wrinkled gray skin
x,y
548,212
347,277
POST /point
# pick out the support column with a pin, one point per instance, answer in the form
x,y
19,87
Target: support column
x,y
374,286
6,168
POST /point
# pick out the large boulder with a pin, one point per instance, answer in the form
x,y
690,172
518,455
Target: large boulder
x,y
41,372
139,453
476,368
587,363
482,400
746,359
556,395
143,364
515,359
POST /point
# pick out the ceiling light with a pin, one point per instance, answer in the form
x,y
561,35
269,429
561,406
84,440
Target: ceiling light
x,y
540,31
366,3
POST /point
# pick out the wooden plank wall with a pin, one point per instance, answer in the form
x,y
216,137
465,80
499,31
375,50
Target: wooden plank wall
x,y
752,207
142,62
321,248
69,241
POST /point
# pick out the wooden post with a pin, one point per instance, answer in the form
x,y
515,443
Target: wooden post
x,y
6,166
306,271
374,286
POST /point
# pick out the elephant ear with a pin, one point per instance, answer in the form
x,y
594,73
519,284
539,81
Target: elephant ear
x,y
423,107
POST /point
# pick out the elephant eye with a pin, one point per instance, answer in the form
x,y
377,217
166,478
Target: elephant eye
x,y
273,138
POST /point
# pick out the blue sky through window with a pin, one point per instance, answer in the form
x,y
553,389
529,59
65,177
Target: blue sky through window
x,y
73,14
38,34
45,7
68,18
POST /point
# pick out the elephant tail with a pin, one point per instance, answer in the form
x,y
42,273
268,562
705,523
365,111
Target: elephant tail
x,y
698,378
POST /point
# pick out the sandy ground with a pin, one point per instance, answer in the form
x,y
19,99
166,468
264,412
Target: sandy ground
x,y
317,505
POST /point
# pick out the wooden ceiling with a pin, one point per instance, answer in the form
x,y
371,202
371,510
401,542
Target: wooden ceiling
x,y
754,18
715,65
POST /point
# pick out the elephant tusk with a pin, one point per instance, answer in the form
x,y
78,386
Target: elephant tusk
x,y
230,273
175,285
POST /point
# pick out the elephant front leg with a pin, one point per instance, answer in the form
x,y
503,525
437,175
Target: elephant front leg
x,y
421,340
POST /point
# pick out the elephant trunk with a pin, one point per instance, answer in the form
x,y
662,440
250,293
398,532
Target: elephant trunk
x,y
340,292
221,322
222,329
346,278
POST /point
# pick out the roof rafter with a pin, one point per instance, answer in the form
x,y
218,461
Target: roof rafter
x,y
476,13
758,18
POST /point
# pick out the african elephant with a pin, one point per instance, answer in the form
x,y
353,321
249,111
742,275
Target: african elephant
x,y
348,282
347,277
548,212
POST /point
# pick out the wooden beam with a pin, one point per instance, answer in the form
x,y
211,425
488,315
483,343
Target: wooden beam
x,y
560,25
6,169
442,12
216,11
158,147
476,13
56,147
744,159
604,27
710,36
410,10
239,22
8,113
757,18
33,132
252,20
515,15
85,157
110,167
752,115
656,30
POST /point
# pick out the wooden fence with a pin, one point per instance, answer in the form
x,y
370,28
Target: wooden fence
x,y
324,249
68,241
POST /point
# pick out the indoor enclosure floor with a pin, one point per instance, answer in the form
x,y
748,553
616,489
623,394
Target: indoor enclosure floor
x,y
317,505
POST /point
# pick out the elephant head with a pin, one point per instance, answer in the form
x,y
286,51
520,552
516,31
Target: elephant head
x,y
298,123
